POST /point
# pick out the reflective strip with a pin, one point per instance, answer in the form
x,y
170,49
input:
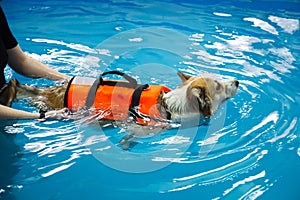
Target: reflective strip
x,y
83,80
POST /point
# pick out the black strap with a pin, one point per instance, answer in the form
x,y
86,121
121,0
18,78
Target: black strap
x,y
136,96
135,102
99,81
92,93
113,83
42,113
128,78
134,107
67,92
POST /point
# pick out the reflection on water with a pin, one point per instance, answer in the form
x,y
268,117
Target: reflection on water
x,y
10,154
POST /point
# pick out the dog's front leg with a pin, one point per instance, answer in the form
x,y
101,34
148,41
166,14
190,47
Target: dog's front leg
x,y
128,141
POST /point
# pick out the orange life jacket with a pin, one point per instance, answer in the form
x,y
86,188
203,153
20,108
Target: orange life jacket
x,y
119,99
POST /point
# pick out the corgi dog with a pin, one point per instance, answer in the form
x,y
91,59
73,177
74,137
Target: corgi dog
x,y
145,104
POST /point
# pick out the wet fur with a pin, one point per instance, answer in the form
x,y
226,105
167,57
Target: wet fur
x,y
51,98
8,93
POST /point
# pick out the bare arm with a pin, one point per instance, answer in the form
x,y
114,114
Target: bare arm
x,y
11,113
27,66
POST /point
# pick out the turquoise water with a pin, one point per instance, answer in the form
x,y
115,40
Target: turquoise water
x,y
250,149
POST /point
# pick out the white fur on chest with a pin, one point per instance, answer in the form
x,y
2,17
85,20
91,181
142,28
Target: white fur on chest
x,y
178,104
176,100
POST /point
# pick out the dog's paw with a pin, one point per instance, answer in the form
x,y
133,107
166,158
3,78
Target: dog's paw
x,y
128,142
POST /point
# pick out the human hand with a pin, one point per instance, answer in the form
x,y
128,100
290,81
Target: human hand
x,y
55,114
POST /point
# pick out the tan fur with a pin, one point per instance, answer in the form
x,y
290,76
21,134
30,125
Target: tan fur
x,y
51,97
9,93
199,94
183,77
54,97
199,97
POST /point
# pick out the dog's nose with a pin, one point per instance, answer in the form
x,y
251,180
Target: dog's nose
x,y
236,83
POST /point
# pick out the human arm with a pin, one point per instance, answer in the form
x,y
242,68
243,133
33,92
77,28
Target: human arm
x,y
11,113
27,66
19,61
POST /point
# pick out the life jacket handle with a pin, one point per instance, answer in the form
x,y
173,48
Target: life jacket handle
x,y
92,92
131,80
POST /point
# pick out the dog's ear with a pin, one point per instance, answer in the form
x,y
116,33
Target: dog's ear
x,y
203,101
184,77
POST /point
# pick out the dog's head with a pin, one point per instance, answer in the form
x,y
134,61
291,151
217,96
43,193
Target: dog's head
x,y
206,94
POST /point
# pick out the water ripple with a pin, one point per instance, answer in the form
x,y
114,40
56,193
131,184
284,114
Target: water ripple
x,y
245,158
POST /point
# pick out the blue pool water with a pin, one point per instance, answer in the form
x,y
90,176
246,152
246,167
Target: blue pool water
x,y
250,149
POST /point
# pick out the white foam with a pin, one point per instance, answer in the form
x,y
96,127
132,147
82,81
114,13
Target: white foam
x,y
138,39
288,25
78,47
262,25
222,14
173,140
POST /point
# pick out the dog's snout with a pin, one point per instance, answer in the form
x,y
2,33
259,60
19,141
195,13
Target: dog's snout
x,y
236,83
